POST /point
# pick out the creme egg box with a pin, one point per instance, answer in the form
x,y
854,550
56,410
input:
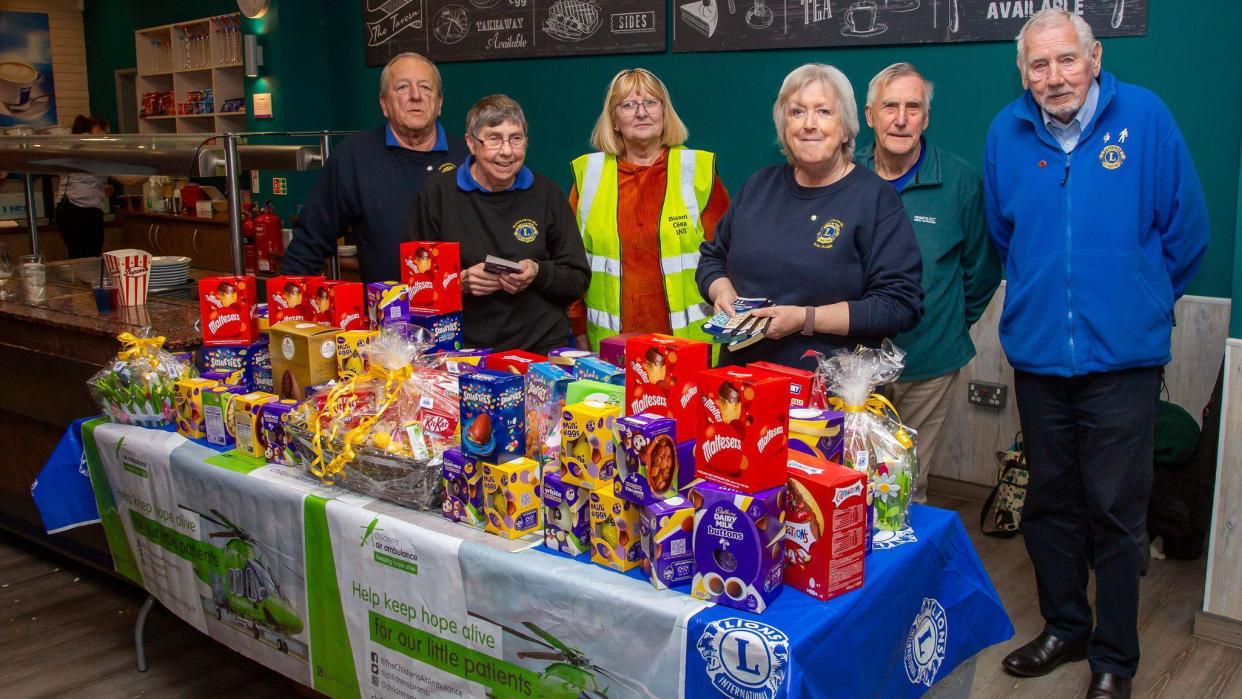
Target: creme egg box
x,y
511,497
649,463
614,531
463,488
493,415
738,544
665,531
588,453
566,515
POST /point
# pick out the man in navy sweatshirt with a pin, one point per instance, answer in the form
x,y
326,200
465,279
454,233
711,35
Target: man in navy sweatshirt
x,y
1100,221
371,177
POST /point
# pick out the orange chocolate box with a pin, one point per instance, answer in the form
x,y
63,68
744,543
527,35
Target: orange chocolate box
x,y
743,428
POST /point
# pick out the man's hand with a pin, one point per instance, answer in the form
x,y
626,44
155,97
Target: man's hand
x,y
786,320
515,283
477,281
723,295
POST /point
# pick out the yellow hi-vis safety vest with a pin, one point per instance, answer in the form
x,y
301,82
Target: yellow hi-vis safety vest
x,y
690,177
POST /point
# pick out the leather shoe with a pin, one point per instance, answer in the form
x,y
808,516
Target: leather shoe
x,y
1105,685
1043,655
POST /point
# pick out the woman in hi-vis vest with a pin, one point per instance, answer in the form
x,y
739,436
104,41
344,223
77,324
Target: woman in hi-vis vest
x,y
644,204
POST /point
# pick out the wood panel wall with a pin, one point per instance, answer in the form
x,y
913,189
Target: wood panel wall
x,y
68,53
1223,594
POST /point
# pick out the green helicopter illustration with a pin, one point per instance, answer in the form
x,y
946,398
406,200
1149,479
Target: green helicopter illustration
x,y
571,674
242,584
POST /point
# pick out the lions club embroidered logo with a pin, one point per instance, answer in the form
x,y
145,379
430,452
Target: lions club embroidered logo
x,y
446,167
1112,157
828,233
526,230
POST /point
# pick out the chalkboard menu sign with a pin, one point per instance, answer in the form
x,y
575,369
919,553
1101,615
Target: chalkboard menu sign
x,y
474,30
738,25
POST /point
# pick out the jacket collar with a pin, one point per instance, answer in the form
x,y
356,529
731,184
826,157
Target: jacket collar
x,y
928,174
1026,109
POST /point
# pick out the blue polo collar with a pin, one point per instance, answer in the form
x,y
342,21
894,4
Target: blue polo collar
x,y
466,182
441,144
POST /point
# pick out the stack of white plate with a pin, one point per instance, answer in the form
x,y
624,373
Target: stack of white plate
x,y
168,272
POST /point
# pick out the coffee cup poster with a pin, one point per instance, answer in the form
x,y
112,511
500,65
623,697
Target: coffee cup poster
x,y
27,94
740,25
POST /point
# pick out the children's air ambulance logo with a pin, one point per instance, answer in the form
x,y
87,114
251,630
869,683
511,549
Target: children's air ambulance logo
x,y
526,230
828,233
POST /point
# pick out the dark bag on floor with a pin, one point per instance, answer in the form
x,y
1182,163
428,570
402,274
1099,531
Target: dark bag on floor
x,y
1002,511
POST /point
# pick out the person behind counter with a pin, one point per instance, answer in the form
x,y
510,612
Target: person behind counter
x,y
371,177
827,241
644,202
80,201
494,205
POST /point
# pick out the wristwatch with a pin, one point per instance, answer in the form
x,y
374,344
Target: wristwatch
x,y
808,326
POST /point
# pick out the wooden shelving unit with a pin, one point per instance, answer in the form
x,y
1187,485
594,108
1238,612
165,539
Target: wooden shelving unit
x,y
201,54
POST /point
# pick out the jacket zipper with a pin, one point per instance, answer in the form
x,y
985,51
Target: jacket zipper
x,y
1069,262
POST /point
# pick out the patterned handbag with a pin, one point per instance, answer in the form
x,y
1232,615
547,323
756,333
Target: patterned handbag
x,y
1001,515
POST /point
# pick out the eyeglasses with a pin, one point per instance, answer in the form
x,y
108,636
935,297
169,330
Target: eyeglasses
x,y
650,104
494,141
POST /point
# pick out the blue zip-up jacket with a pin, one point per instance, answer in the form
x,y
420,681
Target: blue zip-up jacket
x,y
1097,244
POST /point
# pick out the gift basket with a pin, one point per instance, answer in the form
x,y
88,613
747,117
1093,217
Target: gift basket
x,y
138,386
876,442
381,433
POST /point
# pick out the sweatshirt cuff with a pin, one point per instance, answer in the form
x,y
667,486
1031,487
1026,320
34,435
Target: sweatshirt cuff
x,y
860,318
543,278
706,284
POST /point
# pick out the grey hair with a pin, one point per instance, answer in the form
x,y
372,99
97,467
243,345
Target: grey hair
x,y
891,73
837,82
386,74
494,110
1047,18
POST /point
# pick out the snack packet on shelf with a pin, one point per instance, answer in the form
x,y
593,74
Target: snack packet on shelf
x,y
139,386
875,440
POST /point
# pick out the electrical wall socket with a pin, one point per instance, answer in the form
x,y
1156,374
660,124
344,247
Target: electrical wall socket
x,y
990,395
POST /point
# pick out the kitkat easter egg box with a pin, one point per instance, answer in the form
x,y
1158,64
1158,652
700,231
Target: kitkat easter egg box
x,y
739,554
493,416
743,423
432,271
588,454
227,306
614,531
661,374
511,497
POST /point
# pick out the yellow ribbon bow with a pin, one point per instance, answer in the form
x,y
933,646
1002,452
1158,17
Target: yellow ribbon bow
x,y
337,405
135,347
876,404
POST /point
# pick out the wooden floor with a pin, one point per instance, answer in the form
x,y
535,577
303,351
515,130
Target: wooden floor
x,y
68,631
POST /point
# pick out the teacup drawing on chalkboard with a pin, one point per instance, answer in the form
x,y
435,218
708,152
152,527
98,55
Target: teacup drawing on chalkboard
x,y
861,20
573,20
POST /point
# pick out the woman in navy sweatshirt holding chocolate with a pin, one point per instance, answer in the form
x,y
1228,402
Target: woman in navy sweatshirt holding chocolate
x,y
826,240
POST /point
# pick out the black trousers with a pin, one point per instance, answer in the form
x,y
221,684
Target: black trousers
x,y
1088,442
81,228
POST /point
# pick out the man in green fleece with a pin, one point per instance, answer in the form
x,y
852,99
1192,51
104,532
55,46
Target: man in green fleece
x,y
943,197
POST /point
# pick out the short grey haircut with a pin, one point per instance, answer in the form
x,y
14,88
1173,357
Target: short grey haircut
x,y
386,74
1049,17
494,110
842,90
891,73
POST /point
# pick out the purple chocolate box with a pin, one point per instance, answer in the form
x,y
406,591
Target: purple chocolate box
x,y
396,312
445,329
649,463
739,558
277,445
493,416
463,488
568,356
566,516
665,531
596,369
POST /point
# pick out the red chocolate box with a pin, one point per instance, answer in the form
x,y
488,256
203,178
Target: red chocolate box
x,y
661,375
743,438
825,527
804,390
432,271
288,299
337,303
227,305
512,361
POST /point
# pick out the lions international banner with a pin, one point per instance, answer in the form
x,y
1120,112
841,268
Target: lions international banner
x,y
360,598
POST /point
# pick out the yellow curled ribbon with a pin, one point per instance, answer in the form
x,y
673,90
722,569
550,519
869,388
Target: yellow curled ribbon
x,y
135,346
335,407
876,404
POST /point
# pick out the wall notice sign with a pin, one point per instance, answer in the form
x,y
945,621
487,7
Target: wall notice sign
x,y
254,181
280,185
262,105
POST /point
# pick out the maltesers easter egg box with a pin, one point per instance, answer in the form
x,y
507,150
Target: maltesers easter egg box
x,y
743,426
228,305
661,374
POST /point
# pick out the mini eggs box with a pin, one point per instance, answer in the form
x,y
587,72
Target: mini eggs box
x,y
649,467
546,386
660,377
739,558
432,271
444,329
493,415
596,369
817,433
350,357
587,450
511,497
566,515
614,531
665,530
387,304
743,428
463,488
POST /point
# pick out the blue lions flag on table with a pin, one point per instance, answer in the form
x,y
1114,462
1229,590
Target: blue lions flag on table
x,y
62,492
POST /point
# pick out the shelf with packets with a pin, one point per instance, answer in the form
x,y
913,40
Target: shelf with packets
x,y
199,58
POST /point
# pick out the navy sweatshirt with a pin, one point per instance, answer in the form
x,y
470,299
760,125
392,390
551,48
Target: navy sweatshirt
x,y
369,184
810,246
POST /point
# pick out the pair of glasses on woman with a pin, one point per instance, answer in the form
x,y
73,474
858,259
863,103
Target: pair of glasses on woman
x,y
649,105
494,141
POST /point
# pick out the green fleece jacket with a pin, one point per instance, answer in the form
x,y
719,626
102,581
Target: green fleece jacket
x,y
960,269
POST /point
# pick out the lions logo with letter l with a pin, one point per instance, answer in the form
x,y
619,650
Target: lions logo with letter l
x,y
828,233
745,658
925,646
526,230
1112,157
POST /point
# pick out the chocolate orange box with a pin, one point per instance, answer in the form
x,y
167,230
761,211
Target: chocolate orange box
x,y
227,305
665,530
512,361
649,467
614,531
287,299
463,488
825,527
188,402
661,374
739,557
511,497
493,416
588,452
743,428
338,303
566,515
432,271
303,355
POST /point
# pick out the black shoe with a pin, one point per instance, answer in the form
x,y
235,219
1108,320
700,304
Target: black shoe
x,y
1043,655
1106,685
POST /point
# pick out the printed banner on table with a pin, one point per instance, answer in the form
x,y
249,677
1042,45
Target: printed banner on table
x,y
27,92
739,25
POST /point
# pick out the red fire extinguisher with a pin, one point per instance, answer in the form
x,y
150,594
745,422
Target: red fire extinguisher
x,y
250,248
267,237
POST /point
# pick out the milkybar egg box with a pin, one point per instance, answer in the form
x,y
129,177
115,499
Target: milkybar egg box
x,y
665,530
661,375
596,369
511,497
817,432
432,271
350,357
463,488
338,303
277,443
387,304
743,428
614,531
247,421
588,453
739,556
288,299
648,465
493,415
546,386
825,527
218,414
188,401
228,310
566,515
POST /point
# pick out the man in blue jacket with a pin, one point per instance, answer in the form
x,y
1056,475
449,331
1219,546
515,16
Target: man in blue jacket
x,y
1100,221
